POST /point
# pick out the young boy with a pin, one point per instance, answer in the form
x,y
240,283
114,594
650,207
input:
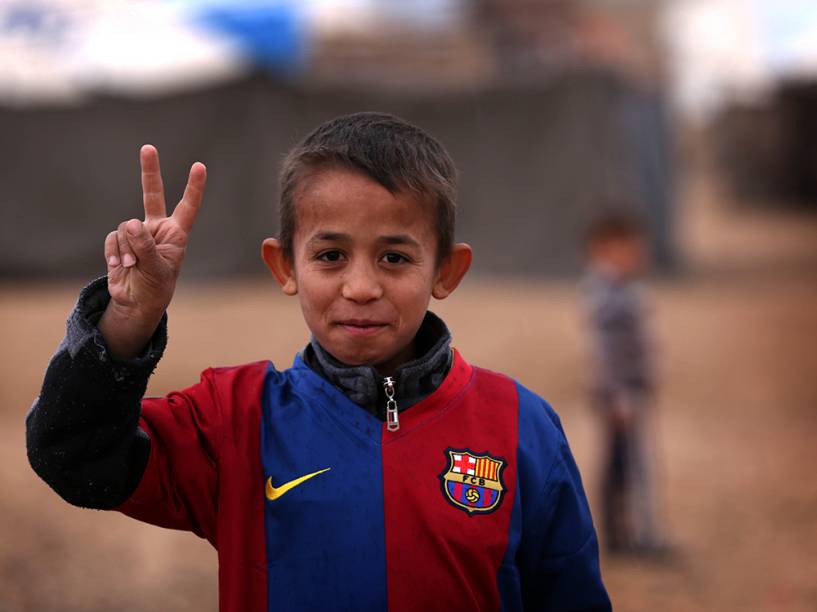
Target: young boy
x,y
623,385
380,471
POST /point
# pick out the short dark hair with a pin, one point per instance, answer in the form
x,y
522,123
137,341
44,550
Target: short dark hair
x,y
613,225
389,150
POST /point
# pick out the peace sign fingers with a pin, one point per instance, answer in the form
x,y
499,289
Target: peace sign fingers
x,y
187,209
153,192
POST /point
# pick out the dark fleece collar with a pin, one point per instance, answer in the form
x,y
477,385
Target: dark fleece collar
x,y
414,381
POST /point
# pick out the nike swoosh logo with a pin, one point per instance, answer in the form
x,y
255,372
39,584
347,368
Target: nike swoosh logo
x,y
276,492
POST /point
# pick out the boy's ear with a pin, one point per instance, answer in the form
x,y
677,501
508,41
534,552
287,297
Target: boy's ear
x,y
451,271
272,252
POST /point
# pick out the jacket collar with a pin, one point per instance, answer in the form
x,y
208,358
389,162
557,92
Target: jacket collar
x,y
414,380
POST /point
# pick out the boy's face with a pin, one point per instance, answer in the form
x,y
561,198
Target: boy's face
x,y
364,266
626,255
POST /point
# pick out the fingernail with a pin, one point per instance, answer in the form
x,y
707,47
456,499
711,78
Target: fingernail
x,y
133,227
128,260
113,261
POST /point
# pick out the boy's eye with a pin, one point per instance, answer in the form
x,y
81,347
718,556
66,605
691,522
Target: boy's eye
x,y
394,258
330,256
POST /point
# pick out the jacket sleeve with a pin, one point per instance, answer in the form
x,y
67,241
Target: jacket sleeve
x,y
98,444
568,564
179,485
559,558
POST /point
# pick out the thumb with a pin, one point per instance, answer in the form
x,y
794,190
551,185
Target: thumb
x,y
144,246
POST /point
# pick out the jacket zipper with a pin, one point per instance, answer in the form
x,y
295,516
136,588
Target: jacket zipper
x,y
392,418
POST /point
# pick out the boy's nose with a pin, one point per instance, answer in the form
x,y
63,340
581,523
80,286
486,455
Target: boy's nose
x,y
361,285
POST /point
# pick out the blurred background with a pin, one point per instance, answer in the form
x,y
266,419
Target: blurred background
x,y
699,116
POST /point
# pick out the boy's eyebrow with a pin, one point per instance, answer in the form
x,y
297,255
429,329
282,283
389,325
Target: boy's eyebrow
x,y
399,239
330,237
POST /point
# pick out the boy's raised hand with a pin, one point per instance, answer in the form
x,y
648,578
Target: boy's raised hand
x,y
144,259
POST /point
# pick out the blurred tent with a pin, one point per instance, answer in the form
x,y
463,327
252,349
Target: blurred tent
x,y
269,35
767,148
55,51
745,76
552,110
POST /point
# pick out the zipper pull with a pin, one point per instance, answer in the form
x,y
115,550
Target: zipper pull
x,y
392,419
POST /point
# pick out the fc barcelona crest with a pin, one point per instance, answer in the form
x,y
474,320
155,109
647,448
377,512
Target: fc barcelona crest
x,y
473,482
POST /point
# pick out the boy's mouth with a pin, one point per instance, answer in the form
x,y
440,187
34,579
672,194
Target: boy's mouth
x,y
362,327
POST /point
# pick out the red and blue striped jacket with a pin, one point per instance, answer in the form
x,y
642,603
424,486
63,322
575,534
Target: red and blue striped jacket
x,y
474,503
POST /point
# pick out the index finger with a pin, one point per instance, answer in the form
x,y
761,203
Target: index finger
x,y
153,192
187,209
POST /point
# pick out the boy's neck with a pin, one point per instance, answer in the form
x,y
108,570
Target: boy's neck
x,y
414,379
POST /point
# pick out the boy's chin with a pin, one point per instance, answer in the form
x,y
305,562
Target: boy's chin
x,y
384,362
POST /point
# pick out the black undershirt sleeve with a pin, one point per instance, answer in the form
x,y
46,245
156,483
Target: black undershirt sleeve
x,y
82,433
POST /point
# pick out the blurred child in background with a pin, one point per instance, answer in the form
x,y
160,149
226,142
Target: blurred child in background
x,y
623,382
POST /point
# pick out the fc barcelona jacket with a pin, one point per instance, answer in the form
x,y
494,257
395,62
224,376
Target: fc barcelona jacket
x,y
473,502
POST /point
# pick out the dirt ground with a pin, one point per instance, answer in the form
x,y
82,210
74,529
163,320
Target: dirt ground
x,y
737,426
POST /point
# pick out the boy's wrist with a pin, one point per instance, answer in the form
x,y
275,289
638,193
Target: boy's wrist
x,y
128,330
134,316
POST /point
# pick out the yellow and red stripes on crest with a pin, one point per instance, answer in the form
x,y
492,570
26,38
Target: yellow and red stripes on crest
x,y
487,468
